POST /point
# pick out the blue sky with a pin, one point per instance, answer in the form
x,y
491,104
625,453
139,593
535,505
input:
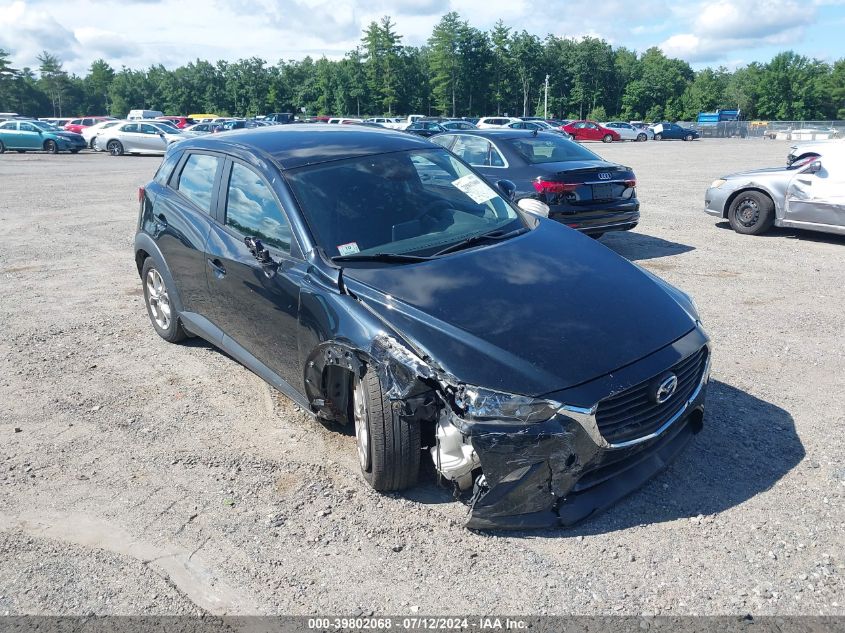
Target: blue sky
x,y
138,33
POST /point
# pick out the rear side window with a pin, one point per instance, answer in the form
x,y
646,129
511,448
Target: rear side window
x,y
196,182
477,151
166,168
251,209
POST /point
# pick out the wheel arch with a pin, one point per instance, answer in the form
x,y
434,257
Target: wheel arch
x,y
730,200
146,248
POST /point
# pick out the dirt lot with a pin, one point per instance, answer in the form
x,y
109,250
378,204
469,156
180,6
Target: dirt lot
x,y
142,477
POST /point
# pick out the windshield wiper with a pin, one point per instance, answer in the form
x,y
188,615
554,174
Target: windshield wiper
x,y
496,234
381,257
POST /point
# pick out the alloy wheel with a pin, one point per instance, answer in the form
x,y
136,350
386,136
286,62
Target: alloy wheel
x,y
362,429
158,299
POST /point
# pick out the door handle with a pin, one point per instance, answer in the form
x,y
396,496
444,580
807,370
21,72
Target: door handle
x,y
217,266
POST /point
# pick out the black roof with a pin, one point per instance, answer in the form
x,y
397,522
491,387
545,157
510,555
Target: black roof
x,y
294,146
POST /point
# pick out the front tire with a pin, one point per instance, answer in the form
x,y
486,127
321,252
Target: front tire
x,y
751,213
658,137
157,296
607,138
51,147
688,137
115,148
388,445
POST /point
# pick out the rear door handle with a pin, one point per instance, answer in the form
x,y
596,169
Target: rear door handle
x,y
218,268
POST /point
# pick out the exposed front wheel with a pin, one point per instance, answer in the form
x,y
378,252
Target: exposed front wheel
x,y
115,148
751,213
51,147
388,445
607,138
688,137
160,308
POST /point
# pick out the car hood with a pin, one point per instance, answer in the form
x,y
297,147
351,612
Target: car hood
x,y
540,312
765,172
73,136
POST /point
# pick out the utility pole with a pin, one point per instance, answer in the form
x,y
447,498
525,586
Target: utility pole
x,y
546,105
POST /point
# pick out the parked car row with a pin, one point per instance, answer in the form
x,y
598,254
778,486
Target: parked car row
x,y
383,282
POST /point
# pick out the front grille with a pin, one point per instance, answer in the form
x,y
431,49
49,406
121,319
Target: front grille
x,y
632,414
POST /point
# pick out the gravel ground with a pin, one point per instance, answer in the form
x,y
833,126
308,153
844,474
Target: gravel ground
x,y
142,477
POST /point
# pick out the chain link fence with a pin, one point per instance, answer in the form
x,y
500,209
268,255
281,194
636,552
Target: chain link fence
x,y
779,130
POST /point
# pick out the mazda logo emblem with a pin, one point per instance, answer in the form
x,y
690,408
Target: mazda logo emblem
x,y
665,389
604,175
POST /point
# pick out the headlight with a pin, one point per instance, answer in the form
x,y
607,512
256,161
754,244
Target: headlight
x,y
486,405
717,183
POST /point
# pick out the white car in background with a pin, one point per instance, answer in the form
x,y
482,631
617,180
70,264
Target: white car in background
x,y
90,133
488,122
628,132
138,137
338,120
392,123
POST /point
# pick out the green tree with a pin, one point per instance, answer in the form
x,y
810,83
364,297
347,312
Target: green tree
x,y
382,47
54,80
445,59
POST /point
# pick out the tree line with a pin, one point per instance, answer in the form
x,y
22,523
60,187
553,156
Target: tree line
x,y
460,71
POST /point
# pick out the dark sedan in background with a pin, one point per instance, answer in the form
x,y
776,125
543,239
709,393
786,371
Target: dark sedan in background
x,y
673,131
553,176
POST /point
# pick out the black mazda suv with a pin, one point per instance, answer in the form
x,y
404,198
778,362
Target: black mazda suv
x,y
378,281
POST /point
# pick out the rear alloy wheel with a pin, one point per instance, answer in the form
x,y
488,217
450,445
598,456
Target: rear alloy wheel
x,y
51,147
607,138
658,137
642,137
115,148
160,308
388,445
751,213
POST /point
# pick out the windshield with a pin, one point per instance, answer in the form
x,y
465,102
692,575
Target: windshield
x,y
550,148
413,202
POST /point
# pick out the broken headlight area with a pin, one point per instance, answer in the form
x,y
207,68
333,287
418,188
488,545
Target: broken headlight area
x,y
497,407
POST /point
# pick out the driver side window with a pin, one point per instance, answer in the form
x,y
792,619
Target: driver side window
x,y
252,210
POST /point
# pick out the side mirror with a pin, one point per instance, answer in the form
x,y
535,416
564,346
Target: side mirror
x,y
507,188
814,167
260,253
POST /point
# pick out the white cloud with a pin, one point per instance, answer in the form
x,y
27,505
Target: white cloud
x,y
725,26
26,31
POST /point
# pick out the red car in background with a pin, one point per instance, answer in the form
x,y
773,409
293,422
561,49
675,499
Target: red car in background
x,y
179,121
591,131
77,125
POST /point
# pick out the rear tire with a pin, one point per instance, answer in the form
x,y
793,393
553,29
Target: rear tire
x,y
642,137
115,148
751,213
388,445
658,137
607,138
51,147
157,296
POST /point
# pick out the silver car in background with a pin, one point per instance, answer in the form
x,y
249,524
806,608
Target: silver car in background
x,y
809,194
628,132
138,137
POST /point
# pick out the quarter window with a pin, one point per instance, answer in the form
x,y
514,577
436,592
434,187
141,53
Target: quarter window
x,y
196,182
11,125
251,209
129,127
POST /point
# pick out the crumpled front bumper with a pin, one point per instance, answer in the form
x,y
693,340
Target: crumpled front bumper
x,y
559,472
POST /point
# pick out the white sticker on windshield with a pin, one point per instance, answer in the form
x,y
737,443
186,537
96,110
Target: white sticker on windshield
x,y
475,188
350,248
